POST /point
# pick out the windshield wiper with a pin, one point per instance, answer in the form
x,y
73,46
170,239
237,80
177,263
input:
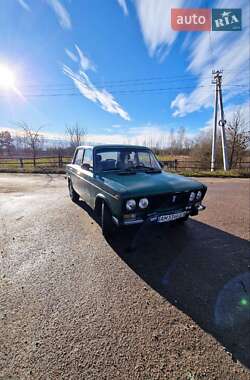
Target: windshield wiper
x,y
132,170
127,171
109,170
148,169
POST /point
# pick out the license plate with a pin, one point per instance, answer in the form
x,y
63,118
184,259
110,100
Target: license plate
x,y
171,217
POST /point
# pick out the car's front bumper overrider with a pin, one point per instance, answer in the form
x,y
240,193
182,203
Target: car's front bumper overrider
x,y
201,207
153,216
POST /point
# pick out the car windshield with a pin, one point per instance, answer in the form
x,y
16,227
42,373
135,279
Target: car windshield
x,y
125,159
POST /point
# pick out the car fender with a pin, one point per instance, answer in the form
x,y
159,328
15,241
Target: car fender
x,y
101,197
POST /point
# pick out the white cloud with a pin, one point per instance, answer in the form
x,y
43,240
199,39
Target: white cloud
x,y
80,57
24,5
201,96
115,138
219,50
71,55
85,62
61,13
123,5
148,134
155,22
116,126
102,97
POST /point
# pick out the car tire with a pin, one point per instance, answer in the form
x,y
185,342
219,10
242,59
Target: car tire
x,y
72,193
183,220
108,226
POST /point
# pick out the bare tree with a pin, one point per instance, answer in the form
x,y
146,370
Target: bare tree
x,y
172,141
19,143
188,144
6,141
181,135
176,140
238,138
32,138
202,147
76,134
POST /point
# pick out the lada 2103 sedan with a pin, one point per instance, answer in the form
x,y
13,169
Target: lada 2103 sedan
x,y
126,185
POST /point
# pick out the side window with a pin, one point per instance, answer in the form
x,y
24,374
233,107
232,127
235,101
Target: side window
x,y
88,158
144,158
78,157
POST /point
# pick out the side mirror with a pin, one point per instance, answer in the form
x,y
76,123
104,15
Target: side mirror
x,y
87,167
161,164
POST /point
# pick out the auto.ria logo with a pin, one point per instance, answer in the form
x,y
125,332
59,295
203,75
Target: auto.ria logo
x,y
226,19
205,19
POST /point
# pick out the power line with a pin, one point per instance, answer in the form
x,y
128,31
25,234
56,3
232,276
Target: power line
x,y
136,82
129,86
78,93
72,91
173,78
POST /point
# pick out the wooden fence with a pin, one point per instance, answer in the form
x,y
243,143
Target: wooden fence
x,y
178,165
28,161
50,162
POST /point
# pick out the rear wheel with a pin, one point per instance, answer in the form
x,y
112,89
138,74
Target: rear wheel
x,y
72,193
108,226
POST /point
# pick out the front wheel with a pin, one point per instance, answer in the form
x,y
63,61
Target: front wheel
x,y
182,220
73,195
108,226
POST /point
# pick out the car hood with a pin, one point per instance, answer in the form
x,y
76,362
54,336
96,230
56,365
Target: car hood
x,y
141,183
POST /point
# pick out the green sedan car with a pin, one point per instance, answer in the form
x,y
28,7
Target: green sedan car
x,y
125,185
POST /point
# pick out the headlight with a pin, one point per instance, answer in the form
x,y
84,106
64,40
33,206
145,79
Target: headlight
x,y
130,204
192,197
198,195
143,203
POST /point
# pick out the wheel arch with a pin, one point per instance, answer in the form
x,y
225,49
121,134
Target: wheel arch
x,y
100,198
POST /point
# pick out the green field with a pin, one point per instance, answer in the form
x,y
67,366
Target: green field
x,y
41,162
51,165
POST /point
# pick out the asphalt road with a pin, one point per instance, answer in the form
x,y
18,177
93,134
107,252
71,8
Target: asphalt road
x,y
157,302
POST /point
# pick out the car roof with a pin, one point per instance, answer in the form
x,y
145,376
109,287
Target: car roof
x,y
106,146
84,147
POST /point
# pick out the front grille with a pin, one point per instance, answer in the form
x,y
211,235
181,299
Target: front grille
x,y
164,202
168,201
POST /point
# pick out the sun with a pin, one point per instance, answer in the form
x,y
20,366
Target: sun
x,y
7,78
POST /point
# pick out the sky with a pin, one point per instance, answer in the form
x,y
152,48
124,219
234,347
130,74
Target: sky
x,y
117,68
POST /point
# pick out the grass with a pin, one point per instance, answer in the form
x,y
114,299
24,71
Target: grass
x,y
235,173
50,165
168,157
32,170
42,162
188,173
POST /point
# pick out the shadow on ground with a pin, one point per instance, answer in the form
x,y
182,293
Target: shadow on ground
x,y
203,271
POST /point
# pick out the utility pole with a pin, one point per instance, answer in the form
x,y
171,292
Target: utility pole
x,y
214,128
222,122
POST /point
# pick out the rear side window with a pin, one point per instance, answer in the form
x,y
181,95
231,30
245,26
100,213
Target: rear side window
x,y
78,157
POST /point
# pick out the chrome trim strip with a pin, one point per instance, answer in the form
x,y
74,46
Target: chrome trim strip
x,y
115,220
99,188
136,221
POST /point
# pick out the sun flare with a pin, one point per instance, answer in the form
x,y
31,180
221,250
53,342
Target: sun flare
x,y
7,78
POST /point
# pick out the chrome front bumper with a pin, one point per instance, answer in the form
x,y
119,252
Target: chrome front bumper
x,y
201,208
152,218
